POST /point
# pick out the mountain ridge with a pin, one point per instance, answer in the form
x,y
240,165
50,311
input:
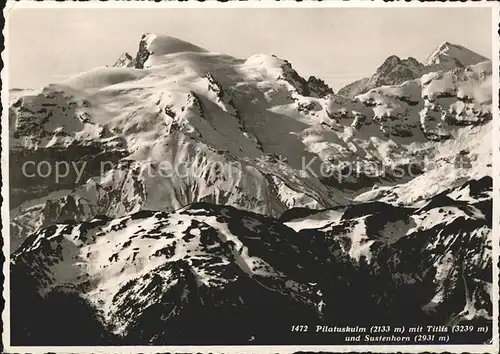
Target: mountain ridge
x,y
220,246
395,71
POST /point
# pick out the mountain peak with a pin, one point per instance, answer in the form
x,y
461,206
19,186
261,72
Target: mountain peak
x,y
446,44
395,70
393,59
124,61
160,44
449,53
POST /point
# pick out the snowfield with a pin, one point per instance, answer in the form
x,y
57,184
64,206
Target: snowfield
x,y
175,262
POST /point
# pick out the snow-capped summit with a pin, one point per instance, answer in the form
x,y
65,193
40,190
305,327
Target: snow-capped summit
x,y
318,88
453,54
395,71
157,45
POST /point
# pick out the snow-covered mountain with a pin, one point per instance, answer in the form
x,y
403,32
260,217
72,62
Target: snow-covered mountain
x,y
395,71
451,55
144,275
203,184
188,106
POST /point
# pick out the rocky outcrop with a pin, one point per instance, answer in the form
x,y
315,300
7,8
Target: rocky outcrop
x,y
143,53
293,78
318,88
395,71
125,61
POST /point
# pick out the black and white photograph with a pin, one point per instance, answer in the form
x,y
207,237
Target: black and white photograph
x,y
250,178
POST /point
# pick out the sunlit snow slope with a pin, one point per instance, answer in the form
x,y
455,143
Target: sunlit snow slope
x,y
282,141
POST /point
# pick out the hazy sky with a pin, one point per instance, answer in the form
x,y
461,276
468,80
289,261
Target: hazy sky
x,y
338,45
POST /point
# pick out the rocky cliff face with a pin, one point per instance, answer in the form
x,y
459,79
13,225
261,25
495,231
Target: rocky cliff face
x,y
448,56
395,71
125,61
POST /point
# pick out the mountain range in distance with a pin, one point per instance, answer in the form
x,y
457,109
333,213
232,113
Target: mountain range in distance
x,y
395,71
